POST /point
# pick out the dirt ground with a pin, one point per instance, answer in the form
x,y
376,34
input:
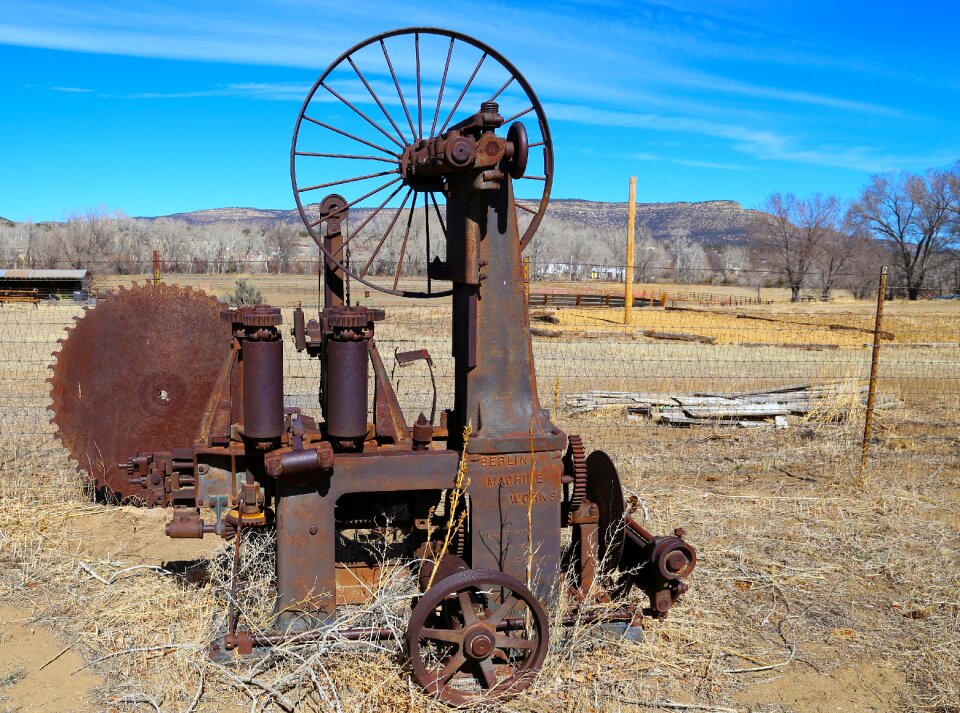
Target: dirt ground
x,y
38,672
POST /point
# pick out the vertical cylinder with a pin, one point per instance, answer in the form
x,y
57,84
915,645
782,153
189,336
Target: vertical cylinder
x,y
346,388
262,388
628,272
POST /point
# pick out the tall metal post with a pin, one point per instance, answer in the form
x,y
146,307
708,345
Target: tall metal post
x,y
156,268
628,274
874,363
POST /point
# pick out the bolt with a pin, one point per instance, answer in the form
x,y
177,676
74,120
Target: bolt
x,y
676,561
313,530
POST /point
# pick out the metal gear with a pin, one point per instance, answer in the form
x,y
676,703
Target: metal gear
x,y
575,465
134,375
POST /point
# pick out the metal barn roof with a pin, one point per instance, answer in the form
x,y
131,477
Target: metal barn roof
x,y
44,274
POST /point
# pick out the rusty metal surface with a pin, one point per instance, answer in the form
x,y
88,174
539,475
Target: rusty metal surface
x,y
134,375
515,503
603,489
346,393
412,174
306,579
262,363
388,417
457,650
490,505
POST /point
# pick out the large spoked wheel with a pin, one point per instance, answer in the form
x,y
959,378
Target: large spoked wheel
x,y
477,634
379,97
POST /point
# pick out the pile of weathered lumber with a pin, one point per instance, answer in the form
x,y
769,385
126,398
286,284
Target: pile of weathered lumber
x,y
744,408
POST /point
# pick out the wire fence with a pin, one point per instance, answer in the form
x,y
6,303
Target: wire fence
x,y
713,381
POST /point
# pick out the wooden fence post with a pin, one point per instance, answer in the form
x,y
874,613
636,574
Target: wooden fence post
x,y
872,388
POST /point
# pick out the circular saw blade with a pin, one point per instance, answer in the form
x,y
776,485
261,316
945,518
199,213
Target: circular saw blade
x,y
134,375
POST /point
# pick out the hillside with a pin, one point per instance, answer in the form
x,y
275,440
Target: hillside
x,y
711,223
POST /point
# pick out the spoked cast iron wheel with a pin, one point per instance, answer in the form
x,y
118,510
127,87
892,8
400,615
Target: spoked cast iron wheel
x,y
477,634
377,99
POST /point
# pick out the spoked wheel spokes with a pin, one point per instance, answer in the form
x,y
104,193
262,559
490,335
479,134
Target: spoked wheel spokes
x,y
476,634
383,95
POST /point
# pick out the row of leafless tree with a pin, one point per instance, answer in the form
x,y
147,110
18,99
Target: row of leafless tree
x,y
813,243
113,243
911,221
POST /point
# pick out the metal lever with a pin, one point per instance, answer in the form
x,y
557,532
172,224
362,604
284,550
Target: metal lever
x,y
405,358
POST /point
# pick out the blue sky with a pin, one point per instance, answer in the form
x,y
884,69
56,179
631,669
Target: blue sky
x,y
158,107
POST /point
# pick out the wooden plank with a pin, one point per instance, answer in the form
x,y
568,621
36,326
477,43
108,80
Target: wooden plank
x,y
762,392
737,411
679,336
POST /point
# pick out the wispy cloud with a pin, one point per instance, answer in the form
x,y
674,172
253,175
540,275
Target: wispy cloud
x,y
764,145
71,90
252,90
688,162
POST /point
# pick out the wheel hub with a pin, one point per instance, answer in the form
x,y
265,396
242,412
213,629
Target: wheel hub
x,y
479,642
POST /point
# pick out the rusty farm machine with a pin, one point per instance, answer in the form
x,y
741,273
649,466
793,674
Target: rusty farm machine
x,y
169,398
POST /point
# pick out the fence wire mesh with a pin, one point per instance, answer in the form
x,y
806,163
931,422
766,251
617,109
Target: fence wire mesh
x,y
702,380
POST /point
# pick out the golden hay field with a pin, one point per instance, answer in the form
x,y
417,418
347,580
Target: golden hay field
x,y
813,593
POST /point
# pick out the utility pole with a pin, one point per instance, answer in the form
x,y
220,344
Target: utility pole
x,y
628,275
156,267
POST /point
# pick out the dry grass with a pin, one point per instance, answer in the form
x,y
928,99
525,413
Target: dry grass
x,y
813,326
811,594
796,568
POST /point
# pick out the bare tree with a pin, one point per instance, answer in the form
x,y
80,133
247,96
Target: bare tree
x,y
646,253
84,240
171,237
836,250
793,229
281,242
689,257
132,245
916,214
732,260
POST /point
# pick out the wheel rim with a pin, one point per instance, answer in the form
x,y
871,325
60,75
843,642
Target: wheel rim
x,y
477,634
471,71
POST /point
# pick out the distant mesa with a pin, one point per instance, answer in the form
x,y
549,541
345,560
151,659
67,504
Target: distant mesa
x,y
713,223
